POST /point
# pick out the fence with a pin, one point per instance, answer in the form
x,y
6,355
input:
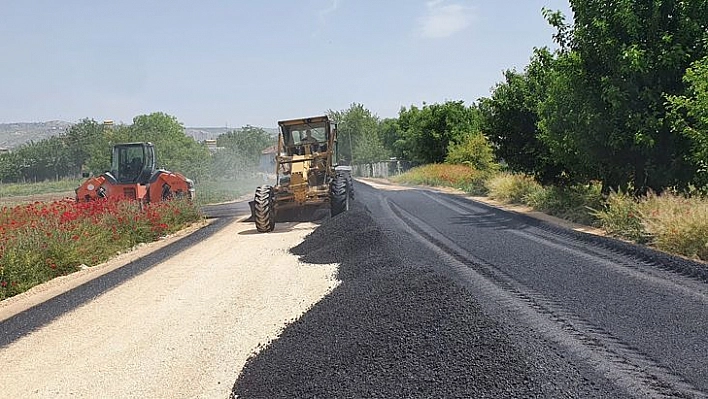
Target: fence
x,y
382,169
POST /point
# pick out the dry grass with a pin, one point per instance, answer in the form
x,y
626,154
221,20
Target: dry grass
x,y
677,224
462,177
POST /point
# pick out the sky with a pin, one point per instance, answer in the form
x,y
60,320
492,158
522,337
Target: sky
x,y
236,62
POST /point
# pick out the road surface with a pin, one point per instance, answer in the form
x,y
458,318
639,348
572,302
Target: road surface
x,y
412,293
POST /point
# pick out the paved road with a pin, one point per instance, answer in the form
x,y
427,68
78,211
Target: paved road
x,y
439,296
173,319
639,324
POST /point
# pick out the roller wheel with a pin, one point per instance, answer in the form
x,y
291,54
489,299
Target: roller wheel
x,y
264,209
338,195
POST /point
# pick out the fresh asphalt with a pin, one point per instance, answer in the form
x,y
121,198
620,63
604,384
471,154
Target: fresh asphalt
x,y
543,311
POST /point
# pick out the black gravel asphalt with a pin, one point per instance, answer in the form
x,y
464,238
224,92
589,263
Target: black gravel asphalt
x,y
441,297
396,328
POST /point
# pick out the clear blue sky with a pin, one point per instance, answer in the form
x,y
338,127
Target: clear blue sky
x,y
216,63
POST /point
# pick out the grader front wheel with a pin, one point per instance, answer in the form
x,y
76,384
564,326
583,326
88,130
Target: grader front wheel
x,y
339,195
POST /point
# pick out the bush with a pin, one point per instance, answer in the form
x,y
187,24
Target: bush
x,y
677,224
458,176
621,216
40,241
474,151
574,203
512,188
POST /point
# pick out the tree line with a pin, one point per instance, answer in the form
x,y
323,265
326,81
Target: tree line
x,y
622,100
86,148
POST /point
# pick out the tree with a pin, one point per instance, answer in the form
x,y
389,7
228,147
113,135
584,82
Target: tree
x,y
427,132
391,137
510,120
240,151
175,151
358,135
606,101
84,140
689,113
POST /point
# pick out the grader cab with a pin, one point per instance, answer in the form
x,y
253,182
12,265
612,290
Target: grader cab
x,y
306,172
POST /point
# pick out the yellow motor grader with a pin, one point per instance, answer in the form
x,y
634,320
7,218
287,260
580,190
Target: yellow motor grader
x,y
306,172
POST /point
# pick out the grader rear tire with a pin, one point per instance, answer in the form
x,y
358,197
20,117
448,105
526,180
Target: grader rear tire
x,y
264,209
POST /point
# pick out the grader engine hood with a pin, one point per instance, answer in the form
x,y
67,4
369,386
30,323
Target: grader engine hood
x,y
298,177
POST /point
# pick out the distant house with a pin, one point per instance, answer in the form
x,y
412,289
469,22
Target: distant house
x,y
4,150
267,161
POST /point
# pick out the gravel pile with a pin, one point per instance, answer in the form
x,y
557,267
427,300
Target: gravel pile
x,y
394,328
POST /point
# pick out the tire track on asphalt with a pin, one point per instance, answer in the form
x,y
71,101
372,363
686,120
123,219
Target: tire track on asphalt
x,y
624,365
646,257
563,240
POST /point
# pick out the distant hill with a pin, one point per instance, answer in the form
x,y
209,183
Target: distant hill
x,y
208,133
15,134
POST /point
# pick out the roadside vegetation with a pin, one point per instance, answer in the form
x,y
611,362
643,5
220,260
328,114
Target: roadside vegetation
x,y
608,129
41,241
42,187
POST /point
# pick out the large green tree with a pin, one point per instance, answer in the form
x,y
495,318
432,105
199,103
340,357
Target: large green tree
x,y
85,140
606,102
510,120
690,117
175,151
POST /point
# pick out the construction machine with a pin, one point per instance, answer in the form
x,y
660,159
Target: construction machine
x,y
307,173
133,175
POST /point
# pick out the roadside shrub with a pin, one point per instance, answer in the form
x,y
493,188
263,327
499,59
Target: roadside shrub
x,y
621,216
574,203
677,224
41,241
474,151
512,188
461,177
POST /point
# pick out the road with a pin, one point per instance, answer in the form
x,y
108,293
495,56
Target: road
x,y
412,293
564,314
176,321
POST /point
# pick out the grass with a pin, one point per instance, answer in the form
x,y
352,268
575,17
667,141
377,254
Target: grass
x,y
670,222
40,241
457,176
215,191
46,187
208,192
43,240
511,188
575,203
